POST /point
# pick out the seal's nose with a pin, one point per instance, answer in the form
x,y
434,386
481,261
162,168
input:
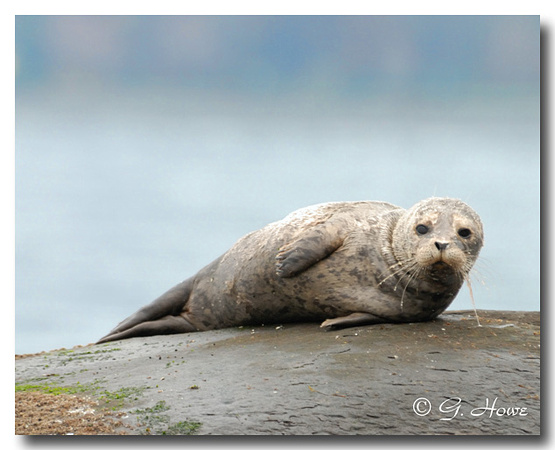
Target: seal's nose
x,y
441,245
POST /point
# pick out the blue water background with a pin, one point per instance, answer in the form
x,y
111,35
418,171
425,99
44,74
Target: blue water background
x,y
118,198
145,146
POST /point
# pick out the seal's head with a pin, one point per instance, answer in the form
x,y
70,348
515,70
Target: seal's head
x,y
439,239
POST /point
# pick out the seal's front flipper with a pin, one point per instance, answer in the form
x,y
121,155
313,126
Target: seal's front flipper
x,y
312,246
351,320
164,325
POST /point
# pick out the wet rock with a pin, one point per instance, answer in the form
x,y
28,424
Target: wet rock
x,y
448,376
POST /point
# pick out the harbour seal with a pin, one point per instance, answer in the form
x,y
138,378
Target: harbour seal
x,y
346,263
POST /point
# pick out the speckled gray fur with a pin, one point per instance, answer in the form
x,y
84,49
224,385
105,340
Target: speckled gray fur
x,y
348,262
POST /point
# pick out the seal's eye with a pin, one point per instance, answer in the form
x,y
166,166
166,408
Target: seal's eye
x,y
422,229
465,233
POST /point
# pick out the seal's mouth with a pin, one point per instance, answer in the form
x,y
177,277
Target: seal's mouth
x,y
441,265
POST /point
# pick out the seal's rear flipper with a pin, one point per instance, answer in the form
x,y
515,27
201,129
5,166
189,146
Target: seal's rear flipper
x,y
165,325
157,314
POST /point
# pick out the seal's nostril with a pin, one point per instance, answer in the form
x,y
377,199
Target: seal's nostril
x,y
441,245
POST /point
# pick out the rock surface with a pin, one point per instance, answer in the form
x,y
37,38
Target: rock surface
x,y
448,376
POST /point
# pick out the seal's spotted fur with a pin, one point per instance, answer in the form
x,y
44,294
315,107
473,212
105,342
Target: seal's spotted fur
x,y
346,263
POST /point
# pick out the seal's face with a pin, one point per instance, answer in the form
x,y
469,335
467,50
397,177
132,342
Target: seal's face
x,y
438,238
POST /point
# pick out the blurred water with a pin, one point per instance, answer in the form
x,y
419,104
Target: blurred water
x,y
120,198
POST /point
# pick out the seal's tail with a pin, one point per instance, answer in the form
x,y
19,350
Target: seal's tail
x,y
162,316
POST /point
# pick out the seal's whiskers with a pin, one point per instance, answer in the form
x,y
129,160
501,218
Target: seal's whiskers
x,y
395,272
413,275
408,271
400,269
467,279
